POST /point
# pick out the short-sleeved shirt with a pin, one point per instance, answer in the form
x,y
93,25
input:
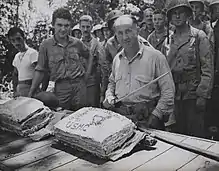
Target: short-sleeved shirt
x,y
24,61
145,66
63,62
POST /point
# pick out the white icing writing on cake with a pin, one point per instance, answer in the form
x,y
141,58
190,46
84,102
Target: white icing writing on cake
x,y
97,120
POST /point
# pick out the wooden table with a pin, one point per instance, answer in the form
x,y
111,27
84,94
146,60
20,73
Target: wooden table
x,y
17,153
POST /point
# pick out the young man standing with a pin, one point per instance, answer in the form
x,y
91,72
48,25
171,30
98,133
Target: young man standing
x,y
24,62
98,71
191,61
134,67
66,60
148,15
157,37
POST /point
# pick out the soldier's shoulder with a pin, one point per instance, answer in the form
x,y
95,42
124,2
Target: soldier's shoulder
x,y
198,32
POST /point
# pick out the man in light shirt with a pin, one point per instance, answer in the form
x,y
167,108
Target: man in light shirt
x,y
24,62
134,67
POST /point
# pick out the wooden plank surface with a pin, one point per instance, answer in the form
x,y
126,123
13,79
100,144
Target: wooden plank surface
x,y
7,137
49,162
53,161
30,157
124,164
19,147
174,158
202,163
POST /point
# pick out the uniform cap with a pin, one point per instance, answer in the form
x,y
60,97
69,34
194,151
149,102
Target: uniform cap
x,y
113,15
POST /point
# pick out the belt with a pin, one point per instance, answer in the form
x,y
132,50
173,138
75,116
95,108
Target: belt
x,y
28,82
74,80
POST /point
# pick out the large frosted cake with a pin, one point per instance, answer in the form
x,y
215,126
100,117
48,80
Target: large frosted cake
x,y
24,115
95,130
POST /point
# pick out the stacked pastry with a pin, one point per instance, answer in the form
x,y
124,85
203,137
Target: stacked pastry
x,y
97,131
24,115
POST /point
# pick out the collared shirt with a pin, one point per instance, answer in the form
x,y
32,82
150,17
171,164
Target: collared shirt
x,y
23,62
67,62
191,61
129,75
155,42
145,32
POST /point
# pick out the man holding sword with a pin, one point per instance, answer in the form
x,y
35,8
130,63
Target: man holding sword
x,y
140,85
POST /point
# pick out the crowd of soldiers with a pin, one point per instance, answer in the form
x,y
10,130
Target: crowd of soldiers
x,y
161,73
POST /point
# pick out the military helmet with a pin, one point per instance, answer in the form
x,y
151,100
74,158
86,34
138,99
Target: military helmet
x,y
113,15
97,27
201,1
104,25
172,4
76,27
213,2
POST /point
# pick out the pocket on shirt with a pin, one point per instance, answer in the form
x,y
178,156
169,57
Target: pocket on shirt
x,y
142,80
118,77
55,64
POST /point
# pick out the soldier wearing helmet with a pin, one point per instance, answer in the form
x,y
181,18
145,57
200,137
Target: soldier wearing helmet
x,y
196,21
107,34
98,32
76,32
191,61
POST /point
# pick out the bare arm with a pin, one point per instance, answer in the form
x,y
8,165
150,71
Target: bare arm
x,y
15,79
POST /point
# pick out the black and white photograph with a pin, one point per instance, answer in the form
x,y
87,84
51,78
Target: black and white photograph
x,y
109,85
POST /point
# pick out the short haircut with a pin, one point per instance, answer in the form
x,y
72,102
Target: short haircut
x,y
158,11
61,13
148,9
86,18
121,19
12,31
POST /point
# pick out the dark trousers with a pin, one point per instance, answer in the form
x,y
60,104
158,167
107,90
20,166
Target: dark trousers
x,y
188,120
71,93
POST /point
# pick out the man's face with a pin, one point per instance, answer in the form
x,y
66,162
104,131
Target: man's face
x,y
77,34
159,21
127,35
197,8
86,28
148,17
17,41
215,11
179,16
106,33
62,28
99,33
